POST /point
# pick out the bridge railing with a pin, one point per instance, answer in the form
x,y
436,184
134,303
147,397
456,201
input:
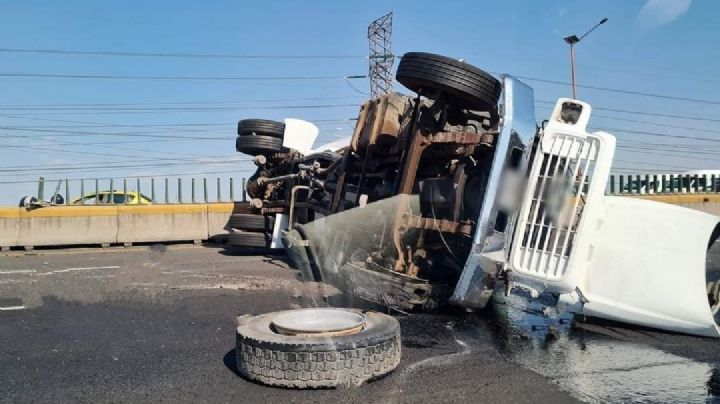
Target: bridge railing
x,y
174,190
648,184
153,190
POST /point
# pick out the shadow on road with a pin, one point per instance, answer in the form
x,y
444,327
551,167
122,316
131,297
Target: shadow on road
x,y
229,362
271,256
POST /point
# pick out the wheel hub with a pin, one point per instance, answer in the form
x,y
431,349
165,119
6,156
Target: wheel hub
x,y
314,322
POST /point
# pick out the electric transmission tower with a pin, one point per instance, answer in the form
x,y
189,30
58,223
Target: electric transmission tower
x,y
381,57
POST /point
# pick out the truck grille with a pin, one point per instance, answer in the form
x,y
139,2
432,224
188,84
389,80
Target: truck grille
x,y
559,182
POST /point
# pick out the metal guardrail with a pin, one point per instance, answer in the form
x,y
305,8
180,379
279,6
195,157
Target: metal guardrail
x,y
667,184
124,191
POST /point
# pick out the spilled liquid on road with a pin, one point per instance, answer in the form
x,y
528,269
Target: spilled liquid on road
x,y
594,367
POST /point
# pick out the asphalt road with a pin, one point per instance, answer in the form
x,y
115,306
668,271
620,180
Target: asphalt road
x,y
157,324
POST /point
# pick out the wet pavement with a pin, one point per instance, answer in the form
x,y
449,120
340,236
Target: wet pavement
x,y
604,362
157,325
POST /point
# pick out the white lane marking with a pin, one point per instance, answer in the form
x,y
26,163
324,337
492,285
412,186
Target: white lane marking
x,y
60,271
99,276
56,271
10,308
19,271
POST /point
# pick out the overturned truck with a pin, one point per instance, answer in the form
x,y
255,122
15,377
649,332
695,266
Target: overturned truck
x,y
438,196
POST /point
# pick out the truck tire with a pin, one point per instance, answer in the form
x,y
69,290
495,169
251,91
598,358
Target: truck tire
x,y
426,71
261,127
317,361
260,144
247,221
248,239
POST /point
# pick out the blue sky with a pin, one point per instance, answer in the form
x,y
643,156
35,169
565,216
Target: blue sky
x,y
665,47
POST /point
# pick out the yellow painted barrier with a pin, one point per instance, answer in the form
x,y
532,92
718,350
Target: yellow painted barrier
x,y
78,225
681,199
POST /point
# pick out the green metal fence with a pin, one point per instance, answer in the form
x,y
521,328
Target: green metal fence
x,y
167,190
160,190
647,184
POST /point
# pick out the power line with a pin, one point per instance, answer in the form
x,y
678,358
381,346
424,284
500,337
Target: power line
x,y
23,148
143,134
665,125
182,102
654,152
201,78
704,148
117,125
135,176
693,146
100,111
643,170
120,126
657,124
175,54
691,76
111,162
646,133
169,125
174,109
66,133
622,91
85,144
653,164
114,142
625,111
120,167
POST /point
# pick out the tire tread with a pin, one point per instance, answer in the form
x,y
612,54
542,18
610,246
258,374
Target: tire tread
x,y
299,369
458,79
265,127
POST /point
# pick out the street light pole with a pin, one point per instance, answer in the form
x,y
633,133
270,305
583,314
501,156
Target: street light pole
x,y
572,67
572,40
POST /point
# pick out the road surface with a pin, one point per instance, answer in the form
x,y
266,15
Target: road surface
x,y
149,324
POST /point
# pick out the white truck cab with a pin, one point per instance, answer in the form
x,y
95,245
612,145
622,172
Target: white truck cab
x,y
613,257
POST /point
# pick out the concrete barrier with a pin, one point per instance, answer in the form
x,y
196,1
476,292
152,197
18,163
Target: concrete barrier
x,y
217,218
219,214
92,225
66,225
9,226
147,223
79,225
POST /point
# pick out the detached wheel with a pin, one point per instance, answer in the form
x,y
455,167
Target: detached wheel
x,y
246,221
260,144
248,239
261,127
316,359
430,73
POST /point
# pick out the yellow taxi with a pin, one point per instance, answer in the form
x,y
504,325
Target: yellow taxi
x,y
112,197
